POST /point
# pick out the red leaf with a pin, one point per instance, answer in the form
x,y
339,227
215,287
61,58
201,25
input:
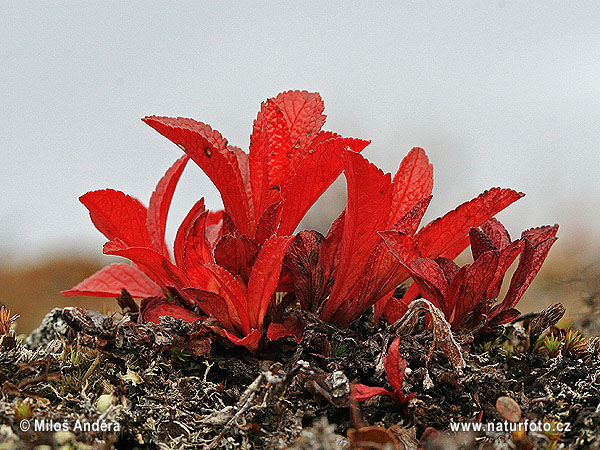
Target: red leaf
x,y
304,262
467,292
264,277
303,112
361,392
383,272
442,234
196,250
530,262
331,249
480,242
431,280
160,202
214,305
234,292
369,200
152,263
395,365
209,150
184,230
496,232
412,182
507,256
268,223
290,327
236,254
117,215
270,156
251,341
152,308
109,281
311,176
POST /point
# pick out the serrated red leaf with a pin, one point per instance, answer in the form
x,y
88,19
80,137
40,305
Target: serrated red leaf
x,y
444,233
152,308
208,149
311,176
264,278
117,215
303,112
160,201
413,181
110,280
367,211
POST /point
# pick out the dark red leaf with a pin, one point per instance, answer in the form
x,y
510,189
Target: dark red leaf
x,y
289,327
480,242
304,262
530,262
496,232
236,254
467,291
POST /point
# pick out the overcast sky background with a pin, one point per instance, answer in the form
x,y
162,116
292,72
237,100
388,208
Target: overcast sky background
x,y
498,93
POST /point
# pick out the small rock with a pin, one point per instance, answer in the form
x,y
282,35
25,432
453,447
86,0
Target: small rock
x,y
508,409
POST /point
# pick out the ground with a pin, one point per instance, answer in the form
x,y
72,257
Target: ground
x,y
179,385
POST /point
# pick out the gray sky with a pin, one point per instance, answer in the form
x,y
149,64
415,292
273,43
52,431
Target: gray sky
x,y
499,93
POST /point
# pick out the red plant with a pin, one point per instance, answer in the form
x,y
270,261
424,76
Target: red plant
x,y
351,269
468,295
395,366
226,263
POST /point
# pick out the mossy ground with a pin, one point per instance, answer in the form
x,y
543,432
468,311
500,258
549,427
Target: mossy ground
x,y
181,386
